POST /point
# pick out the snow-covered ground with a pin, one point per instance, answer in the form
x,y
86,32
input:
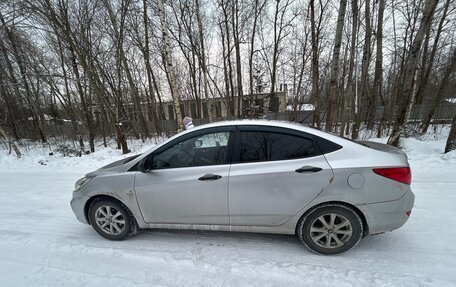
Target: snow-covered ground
x,y
42,243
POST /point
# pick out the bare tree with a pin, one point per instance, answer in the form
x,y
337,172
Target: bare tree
x,y
429,64
408,74
237,23
360,100
146,54
227,46
315,67
12,143
377,88
37,115
282,23
258,7
118,32
347,99
202,57
451,141
169,64
444,84
335,64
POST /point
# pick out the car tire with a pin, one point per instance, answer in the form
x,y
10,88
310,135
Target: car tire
x,y
112,219
330,229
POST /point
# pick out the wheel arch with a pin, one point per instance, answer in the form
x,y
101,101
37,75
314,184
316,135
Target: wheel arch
x,y
351,206
99,197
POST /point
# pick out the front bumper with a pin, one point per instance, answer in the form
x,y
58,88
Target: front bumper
x,y
77,205
387,216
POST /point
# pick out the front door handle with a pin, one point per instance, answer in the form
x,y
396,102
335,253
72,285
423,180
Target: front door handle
x,y
308,169
210,176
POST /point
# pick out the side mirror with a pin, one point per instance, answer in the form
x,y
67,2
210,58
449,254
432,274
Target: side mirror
x,y
145,164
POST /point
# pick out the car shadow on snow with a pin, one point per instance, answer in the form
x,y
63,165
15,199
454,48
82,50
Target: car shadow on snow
x,y
217,238
171,238
383,242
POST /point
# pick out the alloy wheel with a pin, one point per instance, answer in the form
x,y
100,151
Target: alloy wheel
x,y
109,220
331,230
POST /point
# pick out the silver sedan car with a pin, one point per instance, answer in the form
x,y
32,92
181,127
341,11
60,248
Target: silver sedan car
x,y
253,176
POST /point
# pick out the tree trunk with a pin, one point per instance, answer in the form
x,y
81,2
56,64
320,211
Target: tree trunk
x,y
377,89
229,64
257,12
364,73
67,90
202,58
169,65
11,142
451,141
85,105
225,53
146,55
11,105
277,30
335,65
315,72
237,49
349,91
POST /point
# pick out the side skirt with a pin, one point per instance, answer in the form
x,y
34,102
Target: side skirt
x,y
283,229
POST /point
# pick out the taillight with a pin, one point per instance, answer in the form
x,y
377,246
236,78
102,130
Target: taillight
x,y
401,174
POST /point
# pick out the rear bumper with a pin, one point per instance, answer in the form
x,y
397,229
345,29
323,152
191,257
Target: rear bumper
x,y
390,215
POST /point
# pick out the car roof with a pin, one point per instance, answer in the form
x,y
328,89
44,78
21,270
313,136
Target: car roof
x,y
248,122
274,123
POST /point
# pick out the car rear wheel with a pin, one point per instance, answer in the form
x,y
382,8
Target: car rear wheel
x,y
112,219
330,229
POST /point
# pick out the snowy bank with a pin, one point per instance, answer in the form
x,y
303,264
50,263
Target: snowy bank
x,y
42,244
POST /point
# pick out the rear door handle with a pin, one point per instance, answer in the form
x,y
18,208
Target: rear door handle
x,y
308,169
210,176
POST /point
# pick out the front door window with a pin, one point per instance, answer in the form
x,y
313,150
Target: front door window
x,y
208,149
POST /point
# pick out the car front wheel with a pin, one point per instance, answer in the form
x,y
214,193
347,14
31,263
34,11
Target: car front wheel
x,y
111,219
330,229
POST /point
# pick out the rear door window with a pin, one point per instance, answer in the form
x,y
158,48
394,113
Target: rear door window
x,y
272,146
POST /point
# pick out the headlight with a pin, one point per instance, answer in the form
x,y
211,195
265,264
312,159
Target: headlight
x,y
80,183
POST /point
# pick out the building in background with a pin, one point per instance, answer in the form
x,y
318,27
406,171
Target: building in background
x,y
253,106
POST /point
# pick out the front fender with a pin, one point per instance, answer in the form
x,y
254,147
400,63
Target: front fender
x,y
119,186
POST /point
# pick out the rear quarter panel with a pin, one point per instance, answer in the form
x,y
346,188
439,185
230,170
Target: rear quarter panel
x,y
356,159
